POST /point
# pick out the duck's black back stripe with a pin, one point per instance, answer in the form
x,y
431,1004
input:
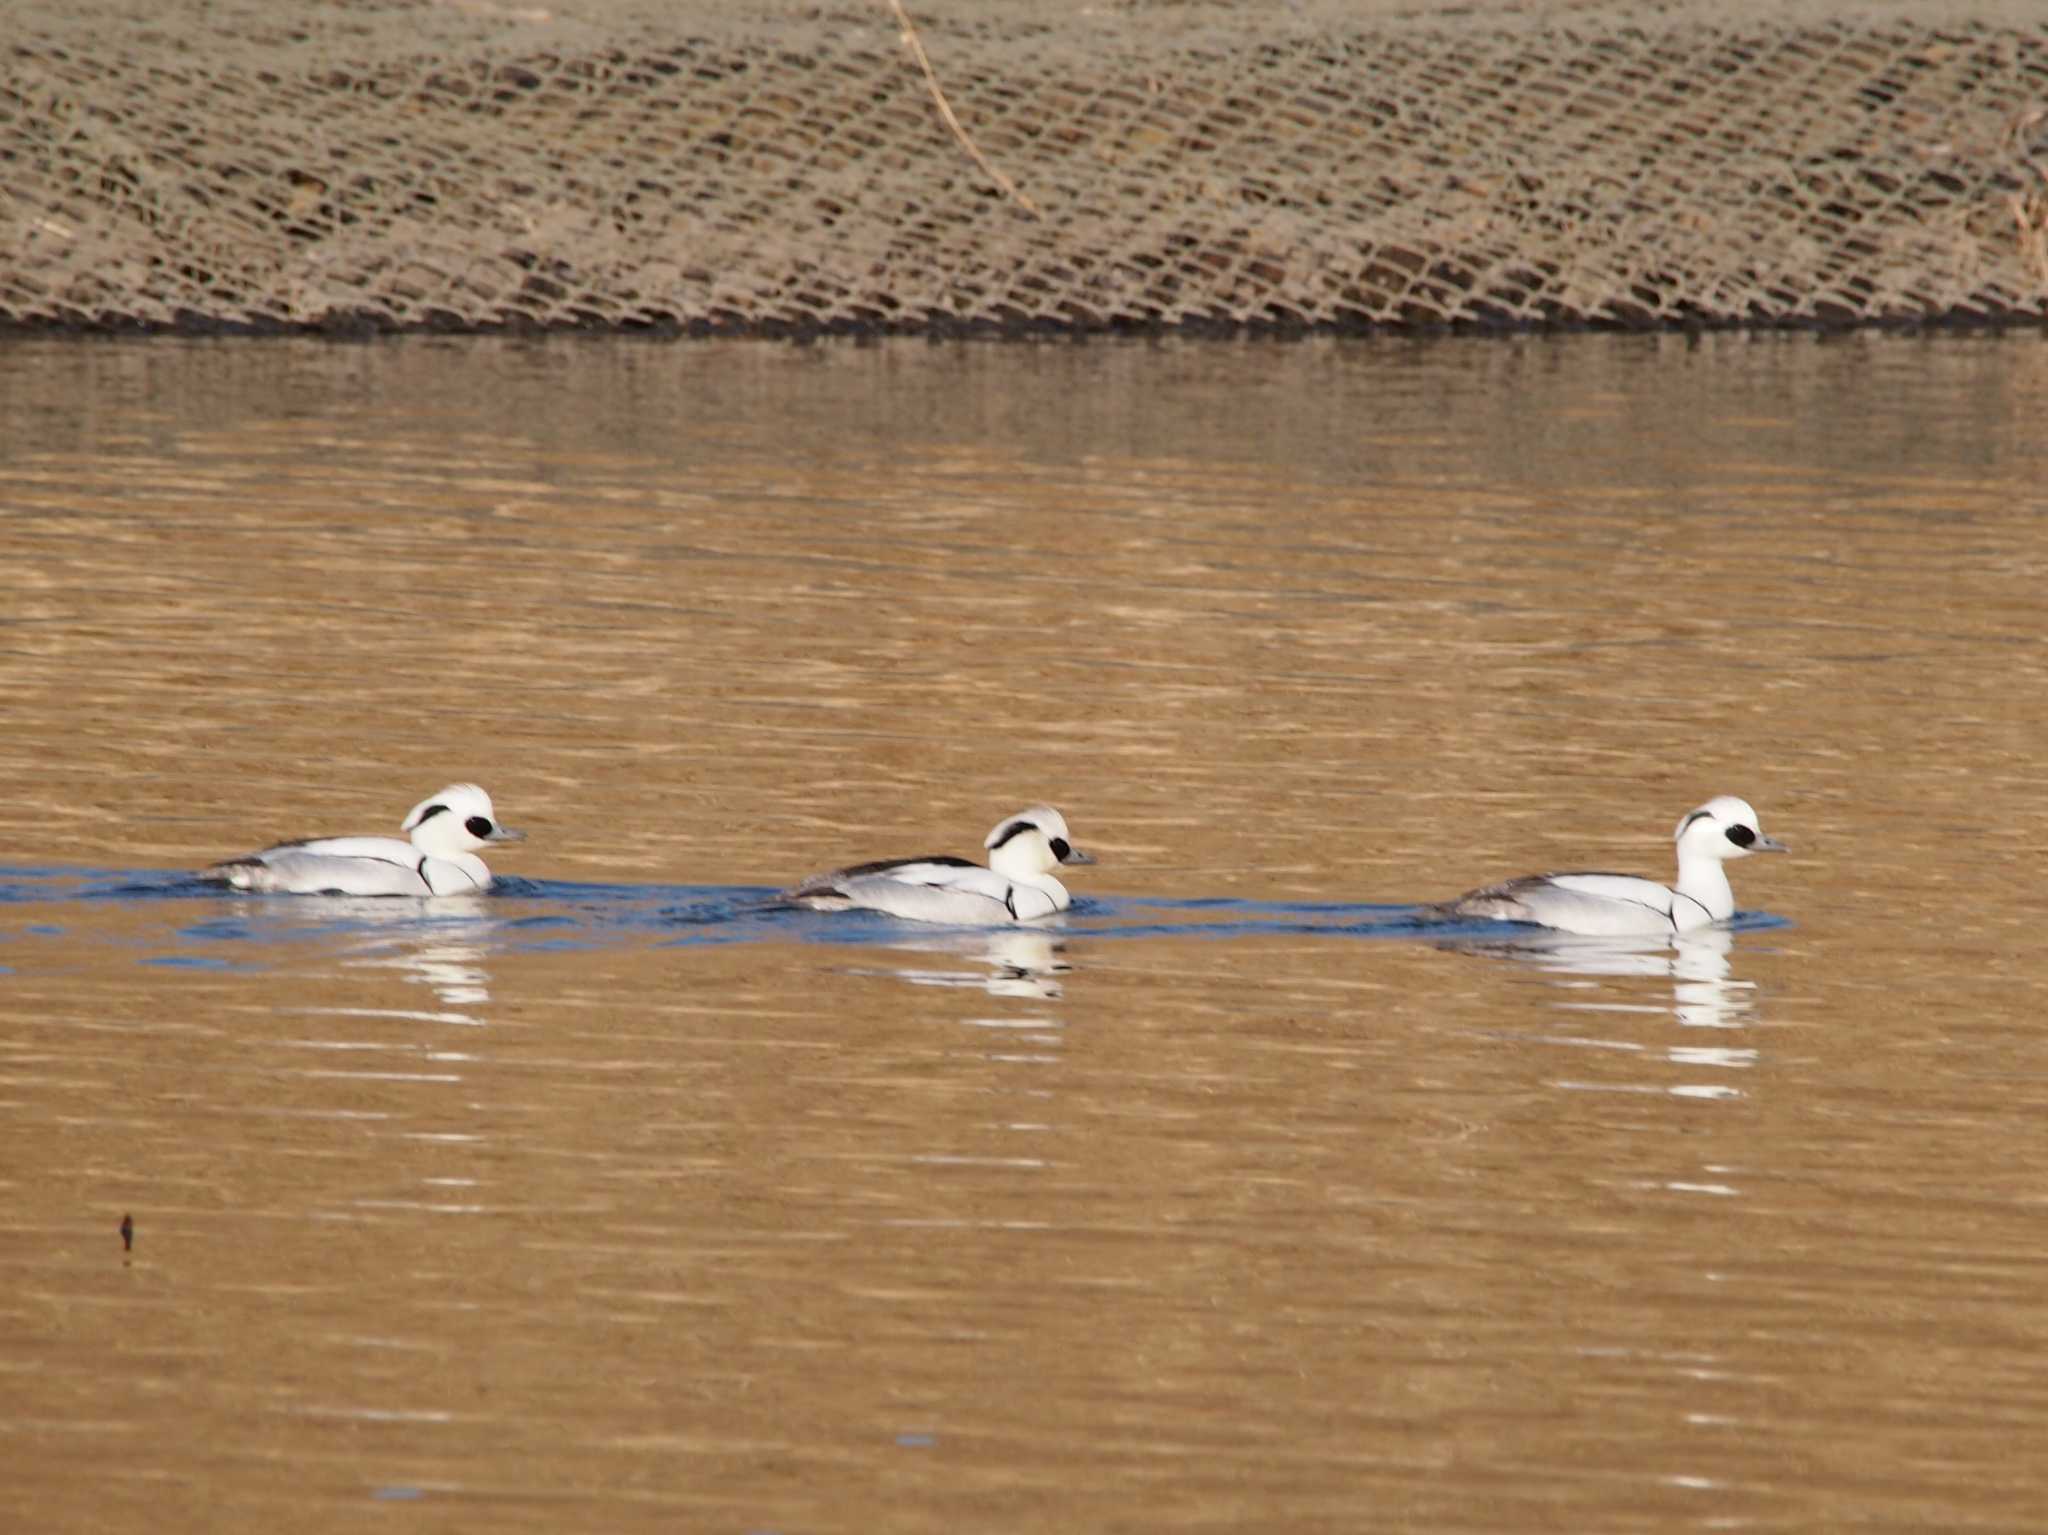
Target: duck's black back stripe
x,y
884,865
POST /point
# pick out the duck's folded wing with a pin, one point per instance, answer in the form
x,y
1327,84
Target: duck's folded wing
x,y
963,904
937,869
1582,903
387,849
1617,887
1502,902
328,865
950,890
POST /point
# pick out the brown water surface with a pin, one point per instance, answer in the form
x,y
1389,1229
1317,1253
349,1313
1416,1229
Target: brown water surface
x,y
615,1202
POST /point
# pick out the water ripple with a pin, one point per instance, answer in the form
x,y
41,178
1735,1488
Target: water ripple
x,y
536,915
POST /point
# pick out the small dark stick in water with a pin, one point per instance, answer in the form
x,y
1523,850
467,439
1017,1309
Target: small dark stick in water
x,y
127,1233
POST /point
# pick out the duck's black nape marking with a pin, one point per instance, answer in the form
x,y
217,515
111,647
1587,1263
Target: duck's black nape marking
x,y
477,825
1014,829
1741,836
1698,815
429,813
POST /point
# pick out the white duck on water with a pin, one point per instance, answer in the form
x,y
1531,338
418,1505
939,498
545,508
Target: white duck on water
x,y
1017,885
439,858
1614,905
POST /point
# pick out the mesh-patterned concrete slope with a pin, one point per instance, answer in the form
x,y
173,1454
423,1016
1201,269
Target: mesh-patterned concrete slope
x,y
705,165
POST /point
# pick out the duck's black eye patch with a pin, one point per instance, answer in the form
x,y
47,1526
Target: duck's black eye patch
x,y
479,825
429,813
1060,848
1741,836
1014,829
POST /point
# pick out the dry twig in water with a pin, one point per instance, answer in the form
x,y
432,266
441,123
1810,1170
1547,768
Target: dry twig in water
x,y
932,80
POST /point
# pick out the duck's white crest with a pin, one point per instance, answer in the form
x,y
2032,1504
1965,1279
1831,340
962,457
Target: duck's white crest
x,y
437,858
1016,886
1613,905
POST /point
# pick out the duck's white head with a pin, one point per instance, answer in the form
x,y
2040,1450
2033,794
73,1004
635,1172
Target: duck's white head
x,y
459,819
1031,844
1724,827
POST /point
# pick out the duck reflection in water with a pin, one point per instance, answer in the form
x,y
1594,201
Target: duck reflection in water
x,y
1705,992
442,947
1019,962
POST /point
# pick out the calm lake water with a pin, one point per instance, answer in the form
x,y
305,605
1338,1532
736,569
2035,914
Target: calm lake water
x,y
618,1201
